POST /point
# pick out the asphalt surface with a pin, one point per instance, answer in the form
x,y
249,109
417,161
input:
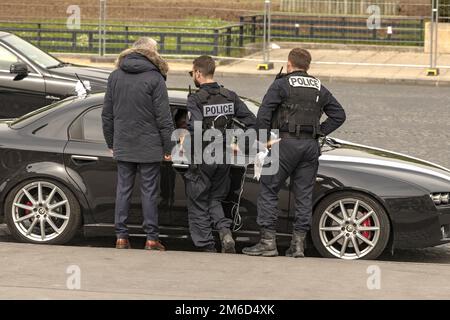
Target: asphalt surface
x,y
49,272
435,255
409,119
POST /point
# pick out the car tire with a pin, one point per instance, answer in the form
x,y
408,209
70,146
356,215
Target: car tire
x,y
364,235
49,216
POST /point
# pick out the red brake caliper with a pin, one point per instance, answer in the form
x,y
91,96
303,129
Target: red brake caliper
x,y
27,212
366,223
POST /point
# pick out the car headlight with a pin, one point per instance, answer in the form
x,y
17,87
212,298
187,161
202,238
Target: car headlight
x,y
440,199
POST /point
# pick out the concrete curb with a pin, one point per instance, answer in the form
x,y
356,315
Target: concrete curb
x,y
347,46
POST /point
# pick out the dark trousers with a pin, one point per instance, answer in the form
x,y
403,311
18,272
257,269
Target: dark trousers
x,y
167,185
299,159
126,174
206,188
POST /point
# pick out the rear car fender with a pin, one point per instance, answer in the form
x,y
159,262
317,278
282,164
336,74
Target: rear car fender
x,y
372,195
356,190
48,170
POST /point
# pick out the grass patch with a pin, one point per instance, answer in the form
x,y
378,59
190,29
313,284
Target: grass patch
x,y
197,35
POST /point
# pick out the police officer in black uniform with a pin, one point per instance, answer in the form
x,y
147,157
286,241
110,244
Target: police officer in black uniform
x,y
294,104
208,184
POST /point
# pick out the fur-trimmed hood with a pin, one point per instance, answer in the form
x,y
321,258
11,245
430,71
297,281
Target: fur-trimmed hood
x,y
151,56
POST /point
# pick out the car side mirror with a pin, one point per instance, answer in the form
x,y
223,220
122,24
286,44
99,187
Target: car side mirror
x,y
19,68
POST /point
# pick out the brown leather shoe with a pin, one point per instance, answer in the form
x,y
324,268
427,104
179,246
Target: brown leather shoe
x,y
123,244
154,245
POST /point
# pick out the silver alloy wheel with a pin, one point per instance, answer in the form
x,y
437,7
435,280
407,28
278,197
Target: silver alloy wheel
x,y
40,211
349,229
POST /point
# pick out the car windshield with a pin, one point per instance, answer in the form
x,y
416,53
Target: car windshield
x,y
39,113
33,53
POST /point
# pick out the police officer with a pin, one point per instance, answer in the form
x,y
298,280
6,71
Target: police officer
x,y
294,104
207,185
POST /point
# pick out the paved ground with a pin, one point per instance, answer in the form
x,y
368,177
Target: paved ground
x,y
364,65
43,272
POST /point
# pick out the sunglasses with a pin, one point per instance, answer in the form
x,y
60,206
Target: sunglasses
x,y
191,73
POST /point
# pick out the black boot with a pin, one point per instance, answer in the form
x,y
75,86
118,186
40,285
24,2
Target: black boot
x,y
297,248
227,241
266,247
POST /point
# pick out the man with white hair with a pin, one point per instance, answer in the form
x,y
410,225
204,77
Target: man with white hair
x,y
137,125
146,43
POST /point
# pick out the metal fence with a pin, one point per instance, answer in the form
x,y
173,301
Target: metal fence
x,y
340,29
232,28
225,41
338,7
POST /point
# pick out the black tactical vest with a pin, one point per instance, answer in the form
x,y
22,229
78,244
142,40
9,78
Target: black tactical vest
x,y
218,108
300,113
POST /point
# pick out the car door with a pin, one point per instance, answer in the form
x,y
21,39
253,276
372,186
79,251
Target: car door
x,y
173,187
19,95
88,159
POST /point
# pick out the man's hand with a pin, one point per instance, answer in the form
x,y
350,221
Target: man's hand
x,y
272,142
167,157
235,148
111,151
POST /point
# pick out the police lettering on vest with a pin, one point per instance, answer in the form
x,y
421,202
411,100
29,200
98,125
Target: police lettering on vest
x,y
304,82
218,107
215,110
300,112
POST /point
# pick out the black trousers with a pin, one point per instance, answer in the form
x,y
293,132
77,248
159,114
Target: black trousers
x,y
167,184
126,174
206,188
298,159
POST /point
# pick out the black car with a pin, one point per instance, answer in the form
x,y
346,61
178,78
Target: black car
x,y
57,175
31,78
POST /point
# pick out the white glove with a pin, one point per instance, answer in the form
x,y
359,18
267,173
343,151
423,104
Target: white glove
x,y
259,163
80,90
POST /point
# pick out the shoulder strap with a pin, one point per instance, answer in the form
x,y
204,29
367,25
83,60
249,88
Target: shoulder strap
x,y
203,96
226,93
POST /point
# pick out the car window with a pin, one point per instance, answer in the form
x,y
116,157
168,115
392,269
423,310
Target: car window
x,y
40,113
179,114
32,52
6,59
89,126
91,123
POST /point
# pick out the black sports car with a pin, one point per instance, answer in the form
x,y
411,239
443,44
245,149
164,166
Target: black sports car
x,y
57,175
31,78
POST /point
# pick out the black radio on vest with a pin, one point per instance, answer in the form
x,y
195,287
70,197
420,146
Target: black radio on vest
x,y
218,107
300,113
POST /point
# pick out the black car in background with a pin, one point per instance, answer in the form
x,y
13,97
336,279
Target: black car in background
x,y
31,78
57,176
